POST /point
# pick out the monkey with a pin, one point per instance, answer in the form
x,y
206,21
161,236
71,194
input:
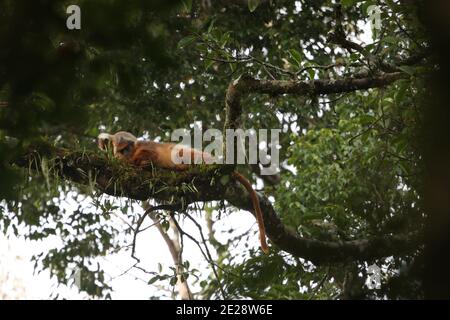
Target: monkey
x,y
127,148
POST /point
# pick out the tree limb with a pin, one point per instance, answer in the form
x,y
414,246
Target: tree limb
x,y
246,85
115,179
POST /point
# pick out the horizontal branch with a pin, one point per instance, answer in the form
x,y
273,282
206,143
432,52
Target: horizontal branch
x,y
202,183
246,85
113,178
316,87
318,251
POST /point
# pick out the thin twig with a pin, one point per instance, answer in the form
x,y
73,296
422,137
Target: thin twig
x,y
206,255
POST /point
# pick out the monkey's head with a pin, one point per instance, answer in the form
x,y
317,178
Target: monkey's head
x,y
122,143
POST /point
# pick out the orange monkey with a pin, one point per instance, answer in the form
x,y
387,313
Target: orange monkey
x,y
127,148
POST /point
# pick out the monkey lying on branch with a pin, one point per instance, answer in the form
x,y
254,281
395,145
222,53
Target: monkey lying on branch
x,y
128,149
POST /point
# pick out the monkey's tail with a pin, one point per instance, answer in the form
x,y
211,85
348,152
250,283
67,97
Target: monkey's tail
x,y
256,207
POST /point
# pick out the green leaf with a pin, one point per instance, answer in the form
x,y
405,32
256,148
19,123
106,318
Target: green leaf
x,y
401,92
407,69
187,5
165,225
253,4
366,119
211,26
296,56
209,64
153,280
391,40
366,5
232,67
348,3
186,41
224,180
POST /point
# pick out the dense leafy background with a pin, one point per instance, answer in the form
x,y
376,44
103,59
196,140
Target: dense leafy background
x,y
350,161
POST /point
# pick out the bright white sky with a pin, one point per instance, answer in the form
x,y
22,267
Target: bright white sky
x,y
17,278
18,281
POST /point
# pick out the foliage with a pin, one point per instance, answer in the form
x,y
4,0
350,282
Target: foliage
x,y
351,168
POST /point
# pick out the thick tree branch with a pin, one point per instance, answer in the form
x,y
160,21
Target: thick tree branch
x,y
246,85
200,184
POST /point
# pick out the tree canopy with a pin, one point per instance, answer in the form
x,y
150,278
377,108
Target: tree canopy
x,y
349,100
